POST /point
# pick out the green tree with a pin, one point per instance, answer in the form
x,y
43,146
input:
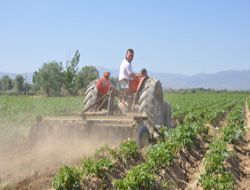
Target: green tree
x,y
34,77
50,78
34,86
19,84
85,75
70,74
6,83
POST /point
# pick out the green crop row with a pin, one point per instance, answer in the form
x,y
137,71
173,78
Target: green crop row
x,y
158,156
217,175
161,155
103,163
183,104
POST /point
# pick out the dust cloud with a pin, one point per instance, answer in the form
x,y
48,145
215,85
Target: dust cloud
x,y
20,160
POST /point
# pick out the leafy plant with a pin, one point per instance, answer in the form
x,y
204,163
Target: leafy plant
x,y
139,177
223,181
216,155
128,150
67,179
161,155
95,167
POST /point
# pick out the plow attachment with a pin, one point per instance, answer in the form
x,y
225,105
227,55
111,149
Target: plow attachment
x,y
92,125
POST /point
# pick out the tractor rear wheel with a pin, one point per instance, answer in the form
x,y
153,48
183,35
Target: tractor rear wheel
x,y
151,101
91,96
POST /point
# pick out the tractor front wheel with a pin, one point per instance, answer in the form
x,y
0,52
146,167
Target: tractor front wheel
x,y
143,136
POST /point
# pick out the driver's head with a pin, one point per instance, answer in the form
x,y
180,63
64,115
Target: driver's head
x,y
130,55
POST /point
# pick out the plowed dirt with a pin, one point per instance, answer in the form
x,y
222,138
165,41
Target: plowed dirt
x,y
24,166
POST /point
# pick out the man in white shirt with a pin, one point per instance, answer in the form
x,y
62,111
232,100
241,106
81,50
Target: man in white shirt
x,y
126,71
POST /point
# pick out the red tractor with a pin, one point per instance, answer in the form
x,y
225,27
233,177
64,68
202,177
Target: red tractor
x,y
144,96
109,113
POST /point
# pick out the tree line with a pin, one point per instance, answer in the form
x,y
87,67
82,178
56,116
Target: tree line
x,y
52,79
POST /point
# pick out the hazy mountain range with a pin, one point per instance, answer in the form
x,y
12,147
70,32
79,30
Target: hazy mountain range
x,y
230,80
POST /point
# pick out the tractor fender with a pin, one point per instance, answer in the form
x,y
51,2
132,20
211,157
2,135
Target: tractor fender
x,y
103,85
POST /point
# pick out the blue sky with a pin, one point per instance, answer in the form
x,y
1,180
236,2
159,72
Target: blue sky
x,y
181,36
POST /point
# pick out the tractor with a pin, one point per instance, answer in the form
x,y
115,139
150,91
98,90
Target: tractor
x,y
135,112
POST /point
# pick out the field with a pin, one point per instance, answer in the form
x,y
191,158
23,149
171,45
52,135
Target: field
x,y
18,113
208,149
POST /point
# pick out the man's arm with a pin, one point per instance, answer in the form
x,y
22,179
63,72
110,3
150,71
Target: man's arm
x,y
132,75
130,71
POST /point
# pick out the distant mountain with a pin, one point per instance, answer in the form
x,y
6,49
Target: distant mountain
x,y
230,80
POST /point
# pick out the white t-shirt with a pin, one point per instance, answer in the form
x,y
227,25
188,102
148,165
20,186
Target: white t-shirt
x,y
125,70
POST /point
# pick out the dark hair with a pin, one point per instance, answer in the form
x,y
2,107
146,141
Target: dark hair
x,y
130,50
